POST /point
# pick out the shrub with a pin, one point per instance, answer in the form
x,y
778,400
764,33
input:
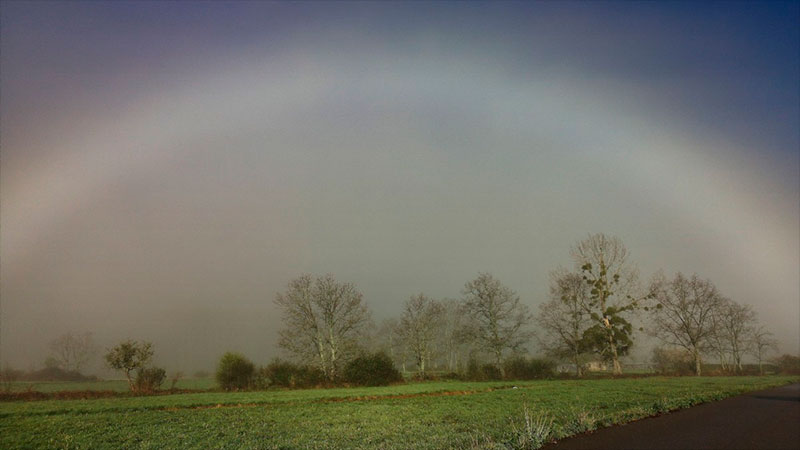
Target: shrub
x,y
375,369
149,379
473,371
234,372
175,378
7,378
490,372
672,361
788,364
129,356
521,368
482,372
287,374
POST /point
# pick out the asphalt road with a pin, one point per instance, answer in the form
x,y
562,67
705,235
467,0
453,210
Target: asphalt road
x,y
767,419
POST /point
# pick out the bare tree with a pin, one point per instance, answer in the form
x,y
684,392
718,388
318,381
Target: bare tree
x,y
387,338
563,320
452,337
761,344
685,313
176,376
72,350
718,344
323,321
736,323
498,317
614,291
419,326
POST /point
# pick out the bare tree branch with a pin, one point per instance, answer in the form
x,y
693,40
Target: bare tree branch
x,y
323,321
498,315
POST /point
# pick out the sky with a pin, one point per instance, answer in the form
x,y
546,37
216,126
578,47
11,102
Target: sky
x,y
167,168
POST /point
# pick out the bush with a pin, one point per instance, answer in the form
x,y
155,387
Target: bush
x,y
672,361
375,369
490,372
175,378
149,379
8,377
521,368
451,376
234,372
286,374
482,372
129,356
787,364
473,371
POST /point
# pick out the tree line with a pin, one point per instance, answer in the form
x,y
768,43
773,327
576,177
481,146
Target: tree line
x,y
590,315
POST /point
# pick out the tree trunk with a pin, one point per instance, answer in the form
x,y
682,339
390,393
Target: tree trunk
x,y
697,368
130,381
576,360
722,363
499,362
333,348
614,356
617,366
321,351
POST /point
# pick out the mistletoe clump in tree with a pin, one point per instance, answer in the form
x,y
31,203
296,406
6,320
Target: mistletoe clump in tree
x,y
614,293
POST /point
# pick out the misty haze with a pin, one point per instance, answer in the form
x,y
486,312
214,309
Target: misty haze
x,y
452,201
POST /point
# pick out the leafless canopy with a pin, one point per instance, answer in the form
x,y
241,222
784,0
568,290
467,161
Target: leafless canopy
x,y
454,347
601,257
563,320
387,338
498,316
419,326
734,324
761,344
323,320
73,351
685,317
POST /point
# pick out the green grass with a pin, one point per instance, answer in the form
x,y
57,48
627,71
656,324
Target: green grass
x,y
405,416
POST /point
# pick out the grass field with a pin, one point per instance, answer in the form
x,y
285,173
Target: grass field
x,y
419,415
105,385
